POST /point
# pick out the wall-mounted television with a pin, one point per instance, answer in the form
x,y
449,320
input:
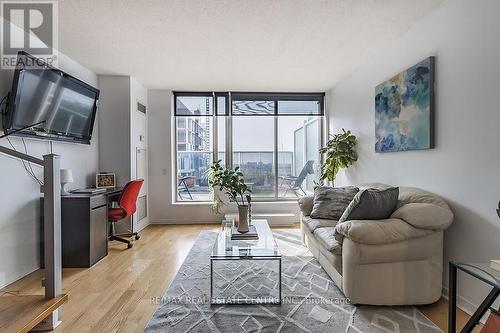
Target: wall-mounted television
x,y
66,105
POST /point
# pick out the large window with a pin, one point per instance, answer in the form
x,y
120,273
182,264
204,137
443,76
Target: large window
x,y
273,138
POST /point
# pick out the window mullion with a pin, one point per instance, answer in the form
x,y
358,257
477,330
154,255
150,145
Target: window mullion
x,y
215,140
229,134
276,150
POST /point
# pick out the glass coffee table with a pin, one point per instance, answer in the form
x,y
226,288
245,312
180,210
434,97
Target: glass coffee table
x,y
242,270
481,271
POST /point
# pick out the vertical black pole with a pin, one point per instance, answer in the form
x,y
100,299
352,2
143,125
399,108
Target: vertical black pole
x,y
211,280
452,298
279,272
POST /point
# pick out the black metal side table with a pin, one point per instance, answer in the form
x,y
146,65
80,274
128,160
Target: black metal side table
x,y
481,271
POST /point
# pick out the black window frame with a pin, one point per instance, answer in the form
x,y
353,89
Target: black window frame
x,y
193,94
228,105
250,96
277,97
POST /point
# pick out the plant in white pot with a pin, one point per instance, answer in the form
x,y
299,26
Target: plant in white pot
x,y
232,183
220,199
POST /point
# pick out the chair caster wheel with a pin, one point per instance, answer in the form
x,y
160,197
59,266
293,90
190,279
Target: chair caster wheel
x,y
129,245
137,237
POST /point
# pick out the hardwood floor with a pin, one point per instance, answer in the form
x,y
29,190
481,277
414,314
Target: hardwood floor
x,y
115,294
438,313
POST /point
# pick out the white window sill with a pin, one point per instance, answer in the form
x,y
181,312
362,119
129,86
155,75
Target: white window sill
x,y
208,203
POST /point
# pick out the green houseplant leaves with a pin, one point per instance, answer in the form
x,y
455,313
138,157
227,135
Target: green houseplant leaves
x,y
231,182
338,154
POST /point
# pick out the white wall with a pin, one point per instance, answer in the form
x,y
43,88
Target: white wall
x,y
138,129
114,132
121,129
19,197
162,210
465,166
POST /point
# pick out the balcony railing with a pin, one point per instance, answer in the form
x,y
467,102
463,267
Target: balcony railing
x,y
258,167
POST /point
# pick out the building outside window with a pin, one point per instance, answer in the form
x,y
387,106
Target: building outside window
x,y
193,146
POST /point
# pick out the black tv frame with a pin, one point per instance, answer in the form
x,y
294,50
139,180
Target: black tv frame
x,y
7,124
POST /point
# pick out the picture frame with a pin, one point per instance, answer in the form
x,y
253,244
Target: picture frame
x,y
105,180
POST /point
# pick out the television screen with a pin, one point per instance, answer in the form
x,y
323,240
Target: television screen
x,y
42,93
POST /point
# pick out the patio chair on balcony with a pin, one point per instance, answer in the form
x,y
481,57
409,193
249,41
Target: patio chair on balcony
x,y
294,183
182,186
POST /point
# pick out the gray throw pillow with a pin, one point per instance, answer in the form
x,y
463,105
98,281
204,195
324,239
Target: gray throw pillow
x,y
372,204
330,202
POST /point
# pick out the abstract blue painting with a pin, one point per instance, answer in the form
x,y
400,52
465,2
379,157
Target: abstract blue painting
x,y
404,110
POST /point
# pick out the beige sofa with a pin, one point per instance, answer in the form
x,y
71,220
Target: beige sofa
x,y
397,261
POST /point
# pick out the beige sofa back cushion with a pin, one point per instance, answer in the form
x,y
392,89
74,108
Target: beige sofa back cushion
x,y
409,195
425,216
306,204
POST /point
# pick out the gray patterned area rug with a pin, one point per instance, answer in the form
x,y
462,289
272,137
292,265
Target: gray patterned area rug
x,y
311,301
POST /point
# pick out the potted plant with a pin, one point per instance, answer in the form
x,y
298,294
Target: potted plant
x,y
219,198
340,154
232,183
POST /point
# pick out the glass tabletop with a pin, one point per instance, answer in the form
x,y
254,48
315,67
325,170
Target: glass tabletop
x,y
482,271
264,247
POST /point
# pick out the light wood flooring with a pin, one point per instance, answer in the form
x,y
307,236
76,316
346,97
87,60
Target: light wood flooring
x,y
115,295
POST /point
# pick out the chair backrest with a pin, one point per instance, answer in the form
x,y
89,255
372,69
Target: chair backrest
x,y
306,170
128,198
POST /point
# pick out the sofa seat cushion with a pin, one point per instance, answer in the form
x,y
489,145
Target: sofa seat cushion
x,y
313,224
326,237
375,232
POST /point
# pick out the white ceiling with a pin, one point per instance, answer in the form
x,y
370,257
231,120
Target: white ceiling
x,y
280,45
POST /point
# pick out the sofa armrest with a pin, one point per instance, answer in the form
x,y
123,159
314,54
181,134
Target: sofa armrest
x,y
306,204
375,232
425,216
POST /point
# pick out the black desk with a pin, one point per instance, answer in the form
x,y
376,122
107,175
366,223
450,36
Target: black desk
x,y
84,227
481,271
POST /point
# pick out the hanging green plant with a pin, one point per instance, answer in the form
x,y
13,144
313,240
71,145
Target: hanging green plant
x,y
338,154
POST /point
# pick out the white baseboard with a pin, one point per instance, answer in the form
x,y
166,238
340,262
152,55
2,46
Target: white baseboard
x,y
198,220
465,305
4,283
214,220
274,219
142,224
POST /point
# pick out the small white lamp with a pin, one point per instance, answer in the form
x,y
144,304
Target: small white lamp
x,y
66,177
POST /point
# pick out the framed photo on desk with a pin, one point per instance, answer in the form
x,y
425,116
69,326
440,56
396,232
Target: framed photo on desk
x,y
105,180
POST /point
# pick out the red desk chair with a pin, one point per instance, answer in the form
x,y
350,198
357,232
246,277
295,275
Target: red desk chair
x,y
127,207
